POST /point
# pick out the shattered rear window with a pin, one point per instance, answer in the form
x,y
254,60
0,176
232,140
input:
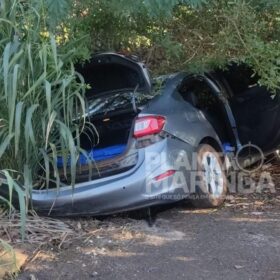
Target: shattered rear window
x,y
123,100
117,101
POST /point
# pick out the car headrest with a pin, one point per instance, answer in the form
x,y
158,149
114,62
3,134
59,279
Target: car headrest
x,y
192,98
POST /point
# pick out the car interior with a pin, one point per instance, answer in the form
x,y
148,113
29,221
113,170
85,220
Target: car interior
x,y
110,116
198,93
255,108
111,85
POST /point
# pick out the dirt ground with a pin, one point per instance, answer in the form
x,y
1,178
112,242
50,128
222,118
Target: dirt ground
x,y
239,241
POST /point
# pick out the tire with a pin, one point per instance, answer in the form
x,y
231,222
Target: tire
x,y
210,191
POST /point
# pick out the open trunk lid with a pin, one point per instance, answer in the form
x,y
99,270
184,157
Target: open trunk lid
x,y
119,85
111,72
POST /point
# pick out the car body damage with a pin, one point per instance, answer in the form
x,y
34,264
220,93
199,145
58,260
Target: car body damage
x,y
149,130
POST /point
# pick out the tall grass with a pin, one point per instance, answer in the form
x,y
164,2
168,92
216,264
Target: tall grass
x,y
40,94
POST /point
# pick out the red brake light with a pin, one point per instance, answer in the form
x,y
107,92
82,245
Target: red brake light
x,y
165,175
148,126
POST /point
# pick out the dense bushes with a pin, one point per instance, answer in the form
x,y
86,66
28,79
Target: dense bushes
x,y
40,95
197,35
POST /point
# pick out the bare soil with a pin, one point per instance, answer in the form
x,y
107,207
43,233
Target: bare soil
x,y
239,241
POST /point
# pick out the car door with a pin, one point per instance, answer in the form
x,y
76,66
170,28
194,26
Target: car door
x,y
256,109
257,113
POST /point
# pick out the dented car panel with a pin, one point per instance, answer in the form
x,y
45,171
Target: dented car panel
x,y
191,125
187,110
123,192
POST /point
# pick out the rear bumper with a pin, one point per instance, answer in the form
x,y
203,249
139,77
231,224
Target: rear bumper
x,y
130,190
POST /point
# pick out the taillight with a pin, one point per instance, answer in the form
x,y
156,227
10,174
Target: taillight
x,y
149,125
165,175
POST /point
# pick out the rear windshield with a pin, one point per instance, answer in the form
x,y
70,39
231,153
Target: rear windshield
x,y
117,102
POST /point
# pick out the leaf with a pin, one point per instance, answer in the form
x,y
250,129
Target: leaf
x,y
57,10
6,58
4,145
29,132
49,127
54,51
13,185
27,176
47,167
54,164
68,137
48,90
30,60
12,98
18,121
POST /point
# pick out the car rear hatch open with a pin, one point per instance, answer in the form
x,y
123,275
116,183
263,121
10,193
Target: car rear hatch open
x,y
119,87
110,72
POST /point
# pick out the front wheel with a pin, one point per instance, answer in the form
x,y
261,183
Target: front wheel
x,y
211,183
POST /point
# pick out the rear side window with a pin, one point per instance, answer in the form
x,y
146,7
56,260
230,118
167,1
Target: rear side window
x,y
202,96
198,93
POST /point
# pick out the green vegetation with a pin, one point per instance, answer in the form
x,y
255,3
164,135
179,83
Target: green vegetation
x,y
40,94
182,35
